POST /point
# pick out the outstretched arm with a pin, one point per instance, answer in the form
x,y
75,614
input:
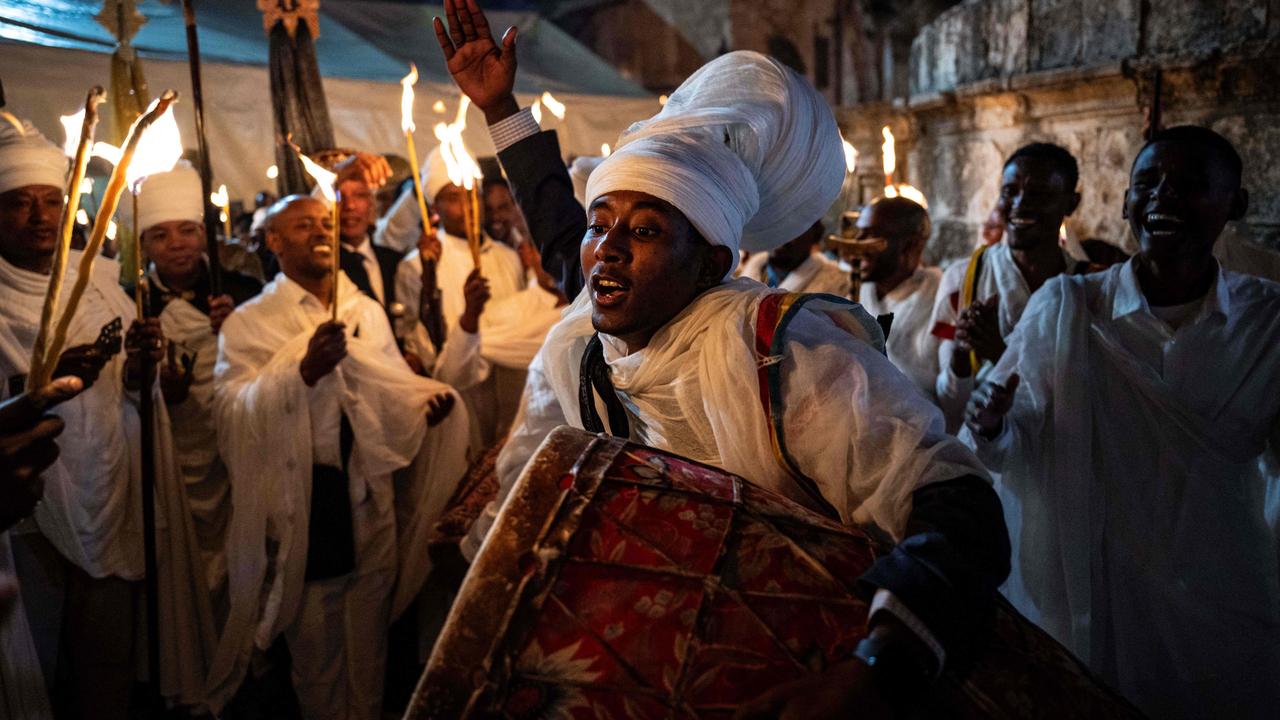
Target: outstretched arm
x,y
485,71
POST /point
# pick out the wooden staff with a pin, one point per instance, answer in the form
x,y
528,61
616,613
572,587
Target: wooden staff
x,y
202,143
110,199
38,358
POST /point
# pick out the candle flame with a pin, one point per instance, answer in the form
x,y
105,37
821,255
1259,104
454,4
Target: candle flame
x,y
324,179
82,217
605,150
461,167
158,150
1062,233
555,107
536,110
71,125
112,229
439,107
890,156
219,198
86,186
273,172
907,191
406,99
662,99
850,156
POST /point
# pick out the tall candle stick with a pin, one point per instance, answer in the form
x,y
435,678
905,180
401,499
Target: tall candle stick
x,y
110,199
62,251
406,124
139,267
337,249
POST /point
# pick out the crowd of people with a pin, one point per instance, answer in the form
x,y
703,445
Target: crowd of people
x,y
1096,438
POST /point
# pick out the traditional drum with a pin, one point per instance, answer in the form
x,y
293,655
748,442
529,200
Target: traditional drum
x,y
623,582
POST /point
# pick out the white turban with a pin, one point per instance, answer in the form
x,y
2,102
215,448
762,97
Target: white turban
x,y
751,108
435,174
168,196
579,171
28,158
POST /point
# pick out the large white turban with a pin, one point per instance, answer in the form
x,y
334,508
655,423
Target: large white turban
x,y
579,172
28,158
760,157
168,196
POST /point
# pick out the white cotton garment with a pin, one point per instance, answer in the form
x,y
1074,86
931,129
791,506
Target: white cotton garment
x,y
692,391
817,274
171,196
92,507
23,691
401,471
195,435
1000,276
1131,485
910,345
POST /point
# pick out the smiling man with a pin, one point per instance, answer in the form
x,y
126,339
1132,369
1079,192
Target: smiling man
x,y
314,418
1132,409
1037,191
661,346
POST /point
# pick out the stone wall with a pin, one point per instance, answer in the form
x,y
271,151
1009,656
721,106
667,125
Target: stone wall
x,y
990,75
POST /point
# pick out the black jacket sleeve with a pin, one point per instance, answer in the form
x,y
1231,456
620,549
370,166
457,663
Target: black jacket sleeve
x,y
541,186
953,557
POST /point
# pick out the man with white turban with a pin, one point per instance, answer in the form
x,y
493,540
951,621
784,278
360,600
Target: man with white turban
x,y
340,459
493,323
80,557
660,347
171,223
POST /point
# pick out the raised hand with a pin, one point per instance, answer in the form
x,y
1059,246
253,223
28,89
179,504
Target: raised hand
x,y
175,380
476,291
325,350
984,416
484,70
370,168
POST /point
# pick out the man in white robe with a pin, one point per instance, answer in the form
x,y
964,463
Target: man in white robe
x,y
170,217
663,345
80,556
1132,408
1037,191
340,459
894,282
494,320
797,266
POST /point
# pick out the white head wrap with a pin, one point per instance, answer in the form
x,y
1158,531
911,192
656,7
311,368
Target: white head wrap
x,y
173,195
761,161
28,158
435,174
579,170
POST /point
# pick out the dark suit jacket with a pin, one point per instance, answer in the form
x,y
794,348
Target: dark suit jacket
x,y
541,186
388,259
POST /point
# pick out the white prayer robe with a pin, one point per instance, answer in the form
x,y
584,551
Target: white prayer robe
x,y
911,347
195,435
817,274
852,421
999,275
511,329
402,475
1131,487
92,508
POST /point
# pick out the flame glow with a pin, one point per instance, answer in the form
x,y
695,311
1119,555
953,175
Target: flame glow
x,y
273,172
662,99
850,155
86,186
605,150
462,169
324,179
159,149
907,191
82,217
890,156
555,107
406,99
71,125
112,229
439,107
536,109
219,198
1062,233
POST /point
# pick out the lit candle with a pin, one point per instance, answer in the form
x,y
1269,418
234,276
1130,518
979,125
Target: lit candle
x,y
406,124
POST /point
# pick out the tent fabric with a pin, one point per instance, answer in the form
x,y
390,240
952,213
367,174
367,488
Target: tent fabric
x,y
51,52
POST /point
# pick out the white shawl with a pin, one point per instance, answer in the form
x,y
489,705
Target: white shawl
x,y
265,437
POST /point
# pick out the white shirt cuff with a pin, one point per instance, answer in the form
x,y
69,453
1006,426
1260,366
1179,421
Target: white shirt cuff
x,y
509,131
885,601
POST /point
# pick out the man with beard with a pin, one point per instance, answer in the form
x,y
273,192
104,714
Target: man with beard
x,y
659,347
979,302
1127,417
893,282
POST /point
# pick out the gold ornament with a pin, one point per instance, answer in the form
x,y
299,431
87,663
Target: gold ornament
x,y
290,12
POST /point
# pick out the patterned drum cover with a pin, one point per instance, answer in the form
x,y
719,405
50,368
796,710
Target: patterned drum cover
x,y
620,581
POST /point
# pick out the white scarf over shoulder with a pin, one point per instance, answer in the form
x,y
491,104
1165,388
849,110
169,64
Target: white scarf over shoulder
x,y
92,507
261,404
